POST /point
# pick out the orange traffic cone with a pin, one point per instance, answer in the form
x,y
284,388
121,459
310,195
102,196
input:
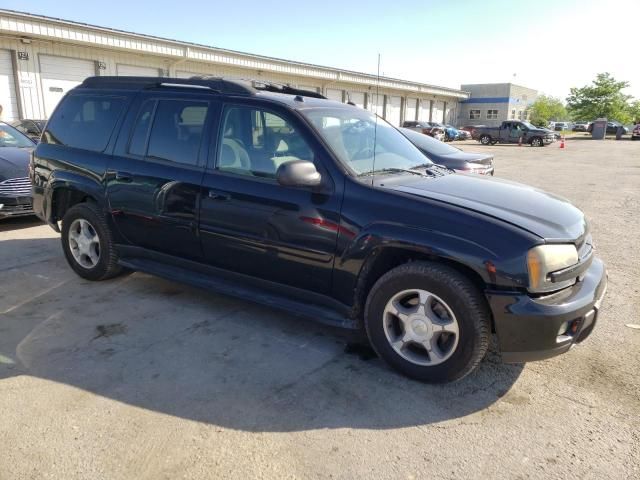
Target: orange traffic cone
x,y
562,142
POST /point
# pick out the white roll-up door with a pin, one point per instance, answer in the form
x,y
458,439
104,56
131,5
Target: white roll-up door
x,y
438,111
394,108
423,113
411,110
136,71
357,98
184,74
61,74
309,88
376,103
8,97
333,94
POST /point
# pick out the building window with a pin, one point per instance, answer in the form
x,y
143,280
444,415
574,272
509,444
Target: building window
x,y
474,114
492,114
520,116
513,114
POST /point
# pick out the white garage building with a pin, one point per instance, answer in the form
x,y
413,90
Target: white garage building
x,y
41,58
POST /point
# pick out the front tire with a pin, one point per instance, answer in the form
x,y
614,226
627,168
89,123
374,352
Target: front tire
x,y
428,322
485,139
537,142
88,244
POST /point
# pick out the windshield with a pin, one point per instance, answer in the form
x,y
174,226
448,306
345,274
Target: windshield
x,y
352,134
10,137
429,144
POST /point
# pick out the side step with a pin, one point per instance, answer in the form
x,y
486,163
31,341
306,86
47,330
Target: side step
x,y
246,288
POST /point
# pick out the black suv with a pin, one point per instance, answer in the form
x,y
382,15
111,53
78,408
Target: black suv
x,y
282,197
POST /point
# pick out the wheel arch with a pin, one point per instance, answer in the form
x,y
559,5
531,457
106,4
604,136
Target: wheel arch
x,y
68,189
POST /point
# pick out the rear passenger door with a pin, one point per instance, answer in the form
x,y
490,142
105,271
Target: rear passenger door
x,y
153,180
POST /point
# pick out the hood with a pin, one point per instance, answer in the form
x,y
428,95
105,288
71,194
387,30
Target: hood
x,y
14,162
543,214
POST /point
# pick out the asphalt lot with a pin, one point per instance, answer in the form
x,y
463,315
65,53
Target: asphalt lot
x,y
142,378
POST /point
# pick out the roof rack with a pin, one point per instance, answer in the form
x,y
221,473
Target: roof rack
x,y
281,88
214,84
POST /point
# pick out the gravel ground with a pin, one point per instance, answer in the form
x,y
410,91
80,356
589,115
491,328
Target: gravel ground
x,y
141,378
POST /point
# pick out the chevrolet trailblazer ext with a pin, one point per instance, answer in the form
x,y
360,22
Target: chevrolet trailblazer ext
x,y
279,196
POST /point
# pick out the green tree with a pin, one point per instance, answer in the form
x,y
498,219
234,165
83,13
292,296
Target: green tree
x,y
634,111
546,109
603,98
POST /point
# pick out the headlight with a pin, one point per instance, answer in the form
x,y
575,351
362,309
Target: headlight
x,y
545,259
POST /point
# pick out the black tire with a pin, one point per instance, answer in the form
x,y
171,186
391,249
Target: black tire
x,y
536,142
465,301
107,265
485,139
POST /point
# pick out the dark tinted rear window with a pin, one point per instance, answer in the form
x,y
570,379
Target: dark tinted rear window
x,y
177,130
84,121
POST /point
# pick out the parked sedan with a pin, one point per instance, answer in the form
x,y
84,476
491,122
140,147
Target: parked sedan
x,y
451,157
635,135
15,188
580,126
612,128
31,128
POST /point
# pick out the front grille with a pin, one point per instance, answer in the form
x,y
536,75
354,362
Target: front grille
x,y
15,187
11,210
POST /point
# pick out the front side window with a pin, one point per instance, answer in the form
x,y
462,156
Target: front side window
x,y
84,121
474,114
256,142
492,114
363,142
176,131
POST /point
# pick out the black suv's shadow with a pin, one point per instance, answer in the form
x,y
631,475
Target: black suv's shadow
x,y
18,223
166,347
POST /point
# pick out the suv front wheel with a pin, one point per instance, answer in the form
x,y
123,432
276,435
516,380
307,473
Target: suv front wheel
x,y
87,243
428,321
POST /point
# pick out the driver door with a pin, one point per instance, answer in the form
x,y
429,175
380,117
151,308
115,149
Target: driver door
x,y
252,225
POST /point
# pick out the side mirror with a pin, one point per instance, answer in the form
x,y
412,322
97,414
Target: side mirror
x,y
298,173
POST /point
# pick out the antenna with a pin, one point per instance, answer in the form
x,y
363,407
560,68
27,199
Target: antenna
x,y
375,126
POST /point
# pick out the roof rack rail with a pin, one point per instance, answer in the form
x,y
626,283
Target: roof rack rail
x,y
214,84
282,88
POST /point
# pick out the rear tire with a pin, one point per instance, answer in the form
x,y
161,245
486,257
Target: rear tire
x,y
485,139
88,244
428,322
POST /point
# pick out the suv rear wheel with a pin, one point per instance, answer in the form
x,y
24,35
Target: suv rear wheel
x,y
428,321
485,139
87,243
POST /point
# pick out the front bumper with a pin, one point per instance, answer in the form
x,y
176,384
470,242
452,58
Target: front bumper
x,y
548,140
527,327
15,206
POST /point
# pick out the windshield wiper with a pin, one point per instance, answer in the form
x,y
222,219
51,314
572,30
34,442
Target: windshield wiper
x,y
391,170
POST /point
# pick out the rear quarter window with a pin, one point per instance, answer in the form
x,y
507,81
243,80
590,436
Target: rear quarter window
x,y
84,121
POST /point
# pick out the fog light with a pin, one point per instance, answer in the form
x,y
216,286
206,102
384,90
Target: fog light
x,y
563,328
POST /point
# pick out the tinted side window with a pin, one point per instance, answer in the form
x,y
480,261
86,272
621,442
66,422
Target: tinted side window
x,y
138,142
177,131
84,121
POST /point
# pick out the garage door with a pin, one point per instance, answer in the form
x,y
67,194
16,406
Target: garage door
x,y
8,98
394,107
61,74
411,110
438,111
309,88
136,71
357,98
333,94
376,103
423,112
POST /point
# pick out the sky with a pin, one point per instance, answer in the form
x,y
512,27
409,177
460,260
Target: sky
x,y
548,45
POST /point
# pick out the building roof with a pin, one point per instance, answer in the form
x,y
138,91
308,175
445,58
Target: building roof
x,y
27,25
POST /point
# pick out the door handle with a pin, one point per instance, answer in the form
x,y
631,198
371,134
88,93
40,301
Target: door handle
x,y
215,195
124,177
